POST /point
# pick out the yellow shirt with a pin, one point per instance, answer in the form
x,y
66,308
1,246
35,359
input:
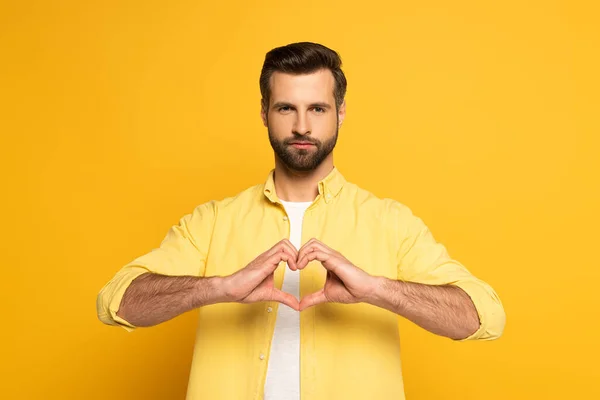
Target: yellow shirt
x,y
348,351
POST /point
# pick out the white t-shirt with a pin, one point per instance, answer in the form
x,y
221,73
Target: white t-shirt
x,y
283,371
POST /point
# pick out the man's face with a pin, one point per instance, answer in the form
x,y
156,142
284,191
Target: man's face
x,y
302,119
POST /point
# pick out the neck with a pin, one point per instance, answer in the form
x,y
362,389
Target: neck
x,y
293,185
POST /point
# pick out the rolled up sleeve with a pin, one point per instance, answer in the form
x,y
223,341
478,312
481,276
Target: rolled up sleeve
x,y
183,251
422,259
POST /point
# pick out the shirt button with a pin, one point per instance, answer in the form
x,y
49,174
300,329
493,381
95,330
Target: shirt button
x,y
262,356
285,218
269,309
328,196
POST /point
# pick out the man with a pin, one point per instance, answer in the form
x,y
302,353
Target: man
x,y
300,280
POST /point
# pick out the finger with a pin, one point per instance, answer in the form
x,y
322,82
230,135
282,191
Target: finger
x,y
271,264
312,300
289,244
282,247
318,242
276,247
302,261
310,246
324,258
287,247
293,253
285,298
325,248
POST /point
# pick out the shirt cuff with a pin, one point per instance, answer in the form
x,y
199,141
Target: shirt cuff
x,y
489,309
110,297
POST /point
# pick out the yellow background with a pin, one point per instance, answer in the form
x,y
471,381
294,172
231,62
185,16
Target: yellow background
x,y
117,118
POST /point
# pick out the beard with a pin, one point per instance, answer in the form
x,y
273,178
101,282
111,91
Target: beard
x,y
302,159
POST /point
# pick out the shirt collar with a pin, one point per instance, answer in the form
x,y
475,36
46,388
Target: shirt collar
x,y
329,187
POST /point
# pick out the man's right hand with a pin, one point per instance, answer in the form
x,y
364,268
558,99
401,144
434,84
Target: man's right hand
x,y
254,282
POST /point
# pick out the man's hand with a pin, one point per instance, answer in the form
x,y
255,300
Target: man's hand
x,y
254,282
345,282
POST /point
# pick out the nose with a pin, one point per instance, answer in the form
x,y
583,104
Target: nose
x,y
302,125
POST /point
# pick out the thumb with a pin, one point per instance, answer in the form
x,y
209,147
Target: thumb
x,y
284,298
313,299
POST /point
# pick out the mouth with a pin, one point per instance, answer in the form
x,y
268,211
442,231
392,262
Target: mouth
x,y
302,145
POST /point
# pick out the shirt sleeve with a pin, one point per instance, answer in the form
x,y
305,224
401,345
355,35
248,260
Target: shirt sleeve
x,y
422,259
183,251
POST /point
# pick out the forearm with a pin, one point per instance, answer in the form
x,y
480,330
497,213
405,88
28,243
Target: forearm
x,y
152,298
444,310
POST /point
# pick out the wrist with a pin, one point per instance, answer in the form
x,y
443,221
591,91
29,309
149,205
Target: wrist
x,y
375,295
214,289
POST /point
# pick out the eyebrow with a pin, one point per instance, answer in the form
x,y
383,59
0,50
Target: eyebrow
x,y
285,104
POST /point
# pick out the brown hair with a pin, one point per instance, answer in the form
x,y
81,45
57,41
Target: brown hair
x,y
302,58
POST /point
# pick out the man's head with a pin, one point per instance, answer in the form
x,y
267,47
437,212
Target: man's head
x,y
303,89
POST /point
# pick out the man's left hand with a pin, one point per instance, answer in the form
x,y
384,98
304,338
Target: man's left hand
x,y
345,282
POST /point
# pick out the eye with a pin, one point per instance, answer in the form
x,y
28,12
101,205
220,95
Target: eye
x,y
284,109
319,110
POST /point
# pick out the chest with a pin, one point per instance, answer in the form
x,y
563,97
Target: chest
x,y
363,237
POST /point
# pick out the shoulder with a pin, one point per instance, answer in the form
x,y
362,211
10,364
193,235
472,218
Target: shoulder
x,y
366,200
246,198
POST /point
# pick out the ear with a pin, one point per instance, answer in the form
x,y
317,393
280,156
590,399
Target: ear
x,y
341,113
263,112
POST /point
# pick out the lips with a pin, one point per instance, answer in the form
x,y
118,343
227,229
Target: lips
x,y
302,145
